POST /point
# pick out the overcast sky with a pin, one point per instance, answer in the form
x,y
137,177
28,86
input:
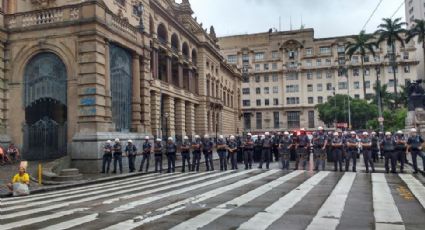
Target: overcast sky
x,y
327,17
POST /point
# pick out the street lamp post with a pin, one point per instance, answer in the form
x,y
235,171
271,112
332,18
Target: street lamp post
x,y
379,97
349,100
334,92
166,115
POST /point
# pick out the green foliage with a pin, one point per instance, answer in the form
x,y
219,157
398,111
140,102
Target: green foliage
x,y
394,120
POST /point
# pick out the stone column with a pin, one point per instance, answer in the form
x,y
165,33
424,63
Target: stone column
x,y
146,96
169,122
190,119
155,102
4,99
169,70
201,126
180,75
136,125
180,108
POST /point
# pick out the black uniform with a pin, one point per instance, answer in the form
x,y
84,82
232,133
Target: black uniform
x,y
351,153
196,154
275,149
117,148
337,148
146,155
171,148
401,150
107,158
367,153
207,149
222,150
415,143
258,146
319,151
233,146
388,147
375,148
266,152
248,152
284,151
158,151
131,152
303,151
185,151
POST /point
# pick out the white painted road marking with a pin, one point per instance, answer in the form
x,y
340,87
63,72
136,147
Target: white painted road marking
x,y
272,213
386,213
417,188
329,215
72,223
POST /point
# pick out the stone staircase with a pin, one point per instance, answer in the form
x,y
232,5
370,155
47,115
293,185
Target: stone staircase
x,y
64,176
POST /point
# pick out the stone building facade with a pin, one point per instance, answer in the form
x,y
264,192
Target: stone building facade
x,y
75,73
286,74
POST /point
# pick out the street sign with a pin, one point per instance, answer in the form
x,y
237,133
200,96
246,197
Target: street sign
x,y
380,119
342,125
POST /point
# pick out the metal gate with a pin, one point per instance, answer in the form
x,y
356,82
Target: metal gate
x,y
45,139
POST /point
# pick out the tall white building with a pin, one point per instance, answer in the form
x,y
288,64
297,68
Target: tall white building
x,y
415,9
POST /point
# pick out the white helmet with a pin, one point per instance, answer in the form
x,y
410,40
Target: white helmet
x,y
117,140
109,141
353,133
413,130
388,134
221,137
320,128
373,133
399,132
263,136
185,138
147,138
365,134
336,133
197,137
232,137
158,139
170,139
130,141
206,136
249,134
286,133
267,134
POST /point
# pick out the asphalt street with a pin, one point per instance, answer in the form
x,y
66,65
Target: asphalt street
x,y
242,199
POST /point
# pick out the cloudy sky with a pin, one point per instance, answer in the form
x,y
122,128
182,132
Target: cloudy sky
x,y
327,17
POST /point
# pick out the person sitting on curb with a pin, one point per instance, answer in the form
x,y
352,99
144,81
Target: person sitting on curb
x,y
20,178
13,152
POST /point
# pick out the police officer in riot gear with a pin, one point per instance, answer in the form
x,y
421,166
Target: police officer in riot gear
x,y
285,146
266,151
107,156
146,154
171,148
232,148
388,146
275,147
375,147
319,149
414,146
222,150
117,149
131,152
303,150
196,153
401,146
158,151
248,151
351,151
366,145
207,149
337,147
185,151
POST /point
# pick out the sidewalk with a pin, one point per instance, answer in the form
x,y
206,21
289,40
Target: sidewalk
x,y
8,171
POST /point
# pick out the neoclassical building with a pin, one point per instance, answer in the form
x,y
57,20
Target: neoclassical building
x,y
75,73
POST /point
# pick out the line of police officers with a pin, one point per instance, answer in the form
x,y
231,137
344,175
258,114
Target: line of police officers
x,y
342,148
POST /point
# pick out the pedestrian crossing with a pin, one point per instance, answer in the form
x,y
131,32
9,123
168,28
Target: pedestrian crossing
x,y
245,199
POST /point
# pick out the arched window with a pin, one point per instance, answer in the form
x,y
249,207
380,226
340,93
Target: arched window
x,y
175,43
185,50
162,33
194,57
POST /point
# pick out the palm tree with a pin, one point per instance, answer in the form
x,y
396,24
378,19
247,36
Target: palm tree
x,y
392,31
418,30
362,45
387,98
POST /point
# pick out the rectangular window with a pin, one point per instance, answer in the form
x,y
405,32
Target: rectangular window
x,y
311,124
275,89
341,60
309,63
341,49
319,87
342,85
367,84
258,102
310,100
276,120
259,120
366,58
275,78
356,85
292,54
258,90
257,78
292,100
309,88
319,74
329,86
232,59
246,103
328,61
355,59
266,90
356,96
356,72
245,91
325,50
406,55
391,83
245,58
390,69
292,77
319,62
406,69
266,102
266,66
247,121
309,52
275,101
293,120
274,66
328,74
275,55
366,71
292,89
309,75
377,58
257,67
266,78
320,100
259,56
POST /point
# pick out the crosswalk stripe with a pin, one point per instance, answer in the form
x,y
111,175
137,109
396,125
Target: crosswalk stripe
x,y
16,200
147,200
417,188
97,190
272,213
329,215
26,222
65,204
72,223
215,213
386,213
175,207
